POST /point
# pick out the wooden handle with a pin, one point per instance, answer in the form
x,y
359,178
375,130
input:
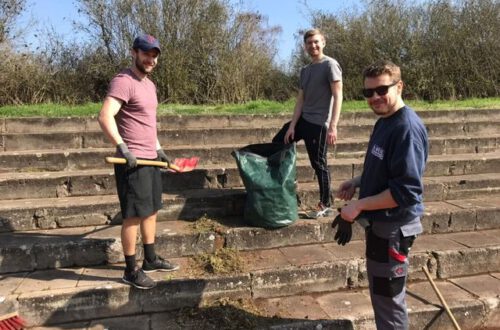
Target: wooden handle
x,y
441,298
117,160
8,316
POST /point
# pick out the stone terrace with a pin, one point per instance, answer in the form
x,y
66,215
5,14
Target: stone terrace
x,y
60,250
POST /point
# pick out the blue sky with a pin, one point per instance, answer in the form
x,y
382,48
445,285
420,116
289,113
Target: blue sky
x,y
291,15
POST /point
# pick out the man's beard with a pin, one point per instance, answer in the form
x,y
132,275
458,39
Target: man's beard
x,y
140,66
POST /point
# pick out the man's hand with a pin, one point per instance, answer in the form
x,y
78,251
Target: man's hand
x,y
346,190
351,211
163,156
131,159
344,231
290,135
331,137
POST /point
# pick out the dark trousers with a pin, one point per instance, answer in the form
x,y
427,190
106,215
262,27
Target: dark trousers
x,y
314,137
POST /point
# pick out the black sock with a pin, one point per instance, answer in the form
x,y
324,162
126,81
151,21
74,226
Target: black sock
x,y
130,263
149,252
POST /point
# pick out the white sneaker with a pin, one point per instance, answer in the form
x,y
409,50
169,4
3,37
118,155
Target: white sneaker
x,y
321,212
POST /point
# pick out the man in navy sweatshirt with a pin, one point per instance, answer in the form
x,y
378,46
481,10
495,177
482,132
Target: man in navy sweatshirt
x,y
390,193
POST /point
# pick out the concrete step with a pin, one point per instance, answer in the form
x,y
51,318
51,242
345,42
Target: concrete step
x,y
90,293
210,136
472,301
93,158
192,203
71,211
102,182
73,124
100,244
43,236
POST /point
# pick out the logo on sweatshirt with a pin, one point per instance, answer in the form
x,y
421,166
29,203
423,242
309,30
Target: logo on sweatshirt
x,y
378,152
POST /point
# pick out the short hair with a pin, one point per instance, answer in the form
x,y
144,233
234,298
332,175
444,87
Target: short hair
x,y
312,32
382,67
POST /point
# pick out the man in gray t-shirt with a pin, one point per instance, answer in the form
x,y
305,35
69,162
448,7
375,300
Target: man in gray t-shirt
x,y
316,113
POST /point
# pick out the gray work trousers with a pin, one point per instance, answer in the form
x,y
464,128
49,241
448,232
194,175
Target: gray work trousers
x,y
387,247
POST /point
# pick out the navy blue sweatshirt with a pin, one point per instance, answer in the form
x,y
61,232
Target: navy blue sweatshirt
x,y
395,160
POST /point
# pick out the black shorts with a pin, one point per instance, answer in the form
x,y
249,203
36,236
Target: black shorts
x,y
139,190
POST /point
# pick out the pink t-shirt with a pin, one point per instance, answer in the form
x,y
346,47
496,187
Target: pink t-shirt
x,y
136,119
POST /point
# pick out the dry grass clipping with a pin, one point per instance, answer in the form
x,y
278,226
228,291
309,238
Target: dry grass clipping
x,y
205,225
223,261
226,314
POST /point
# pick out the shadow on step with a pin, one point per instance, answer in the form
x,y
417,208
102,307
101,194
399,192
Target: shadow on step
x,y
69,247
196,179
240,315
218,315
208,178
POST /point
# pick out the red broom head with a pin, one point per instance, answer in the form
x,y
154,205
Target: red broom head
x,y
12,323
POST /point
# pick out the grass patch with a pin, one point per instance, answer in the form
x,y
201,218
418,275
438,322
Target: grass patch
x,y
259,107
223,261
249,108
51,110
475,103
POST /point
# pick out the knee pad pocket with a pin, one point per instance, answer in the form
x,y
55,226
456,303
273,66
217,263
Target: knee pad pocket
x,y
388,287
377,248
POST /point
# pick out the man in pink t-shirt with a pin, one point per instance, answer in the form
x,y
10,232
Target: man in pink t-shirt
x,y
128,118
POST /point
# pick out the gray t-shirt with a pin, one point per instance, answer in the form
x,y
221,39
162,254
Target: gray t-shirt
x,y
315,80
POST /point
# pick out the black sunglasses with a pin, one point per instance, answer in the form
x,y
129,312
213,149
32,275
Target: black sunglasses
x,y
381,90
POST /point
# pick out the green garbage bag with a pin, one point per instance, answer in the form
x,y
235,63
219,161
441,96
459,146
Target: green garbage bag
x,y
268,173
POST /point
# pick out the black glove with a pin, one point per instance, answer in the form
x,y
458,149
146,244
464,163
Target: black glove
x,y
131,160
163,156
344,231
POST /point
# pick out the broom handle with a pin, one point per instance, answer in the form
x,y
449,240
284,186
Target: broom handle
x,y
117,160
8,316
441,298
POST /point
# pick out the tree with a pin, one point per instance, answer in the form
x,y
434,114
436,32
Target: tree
x,y
9,12
210,52
446,49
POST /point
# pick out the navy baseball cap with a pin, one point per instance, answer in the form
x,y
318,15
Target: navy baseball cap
x,y
146,42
